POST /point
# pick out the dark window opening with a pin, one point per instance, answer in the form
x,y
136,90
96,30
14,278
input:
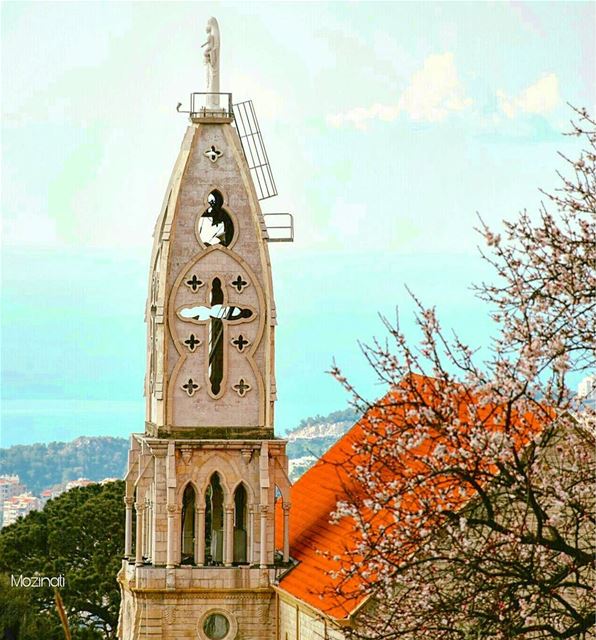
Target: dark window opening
x,y
214,521
216,315
240,525
215,225
188,526
216,346
216,626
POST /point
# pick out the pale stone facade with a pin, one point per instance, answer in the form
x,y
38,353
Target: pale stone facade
x,y
202,480
298,621
207,482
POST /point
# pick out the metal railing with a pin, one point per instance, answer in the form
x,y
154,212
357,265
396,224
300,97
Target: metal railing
x,y
280,232
249,132
202,107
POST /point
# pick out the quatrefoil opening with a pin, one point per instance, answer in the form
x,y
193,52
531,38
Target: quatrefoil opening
x,y
193,283
239,284
242,387
240,342
190,387
192,342
213,153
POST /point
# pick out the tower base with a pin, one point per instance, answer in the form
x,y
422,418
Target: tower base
x,y
188,603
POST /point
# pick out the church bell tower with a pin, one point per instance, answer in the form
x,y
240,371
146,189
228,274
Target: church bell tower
x,y
203,478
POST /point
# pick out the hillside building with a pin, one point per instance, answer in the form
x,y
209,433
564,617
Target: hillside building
x,y
19,506
10,486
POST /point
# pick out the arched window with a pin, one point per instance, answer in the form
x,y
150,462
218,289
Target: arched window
x,y
214,522
215,225
240,524
188,526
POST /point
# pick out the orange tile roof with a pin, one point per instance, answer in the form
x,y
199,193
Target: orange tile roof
x,y
315,495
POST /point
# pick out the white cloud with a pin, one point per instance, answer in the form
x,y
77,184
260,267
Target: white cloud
x,y
540,97
433,92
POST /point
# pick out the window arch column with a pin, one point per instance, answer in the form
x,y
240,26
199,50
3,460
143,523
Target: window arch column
x,y
229,535
250,556
139,507
128,501
171,548
286,532
263,541
200,535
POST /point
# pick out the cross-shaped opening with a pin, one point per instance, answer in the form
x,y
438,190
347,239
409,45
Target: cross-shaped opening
x,y
217,315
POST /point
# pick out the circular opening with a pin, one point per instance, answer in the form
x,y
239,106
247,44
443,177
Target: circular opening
x,y
216,626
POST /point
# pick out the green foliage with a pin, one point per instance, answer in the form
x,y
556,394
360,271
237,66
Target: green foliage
x,y
19,619
345,415
78,535
40,466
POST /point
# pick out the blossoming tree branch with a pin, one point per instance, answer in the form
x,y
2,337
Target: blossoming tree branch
x,y
471,486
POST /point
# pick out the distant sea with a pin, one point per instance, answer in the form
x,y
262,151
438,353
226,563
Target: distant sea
x,y
29,421
79,348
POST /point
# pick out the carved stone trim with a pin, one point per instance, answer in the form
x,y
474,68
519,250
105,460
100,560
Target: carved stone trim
x,y
186,453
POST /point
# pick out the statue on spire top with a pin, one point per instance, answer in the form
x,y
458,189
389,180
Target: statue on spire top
x,y
211,60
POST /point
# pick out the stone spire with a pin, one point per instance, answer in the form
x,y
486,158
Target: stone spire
x,y
205,475
210,311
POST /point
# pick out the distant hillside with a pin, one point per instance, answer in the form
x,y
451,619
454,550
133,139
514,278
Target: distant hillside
x,y
313,436
43,465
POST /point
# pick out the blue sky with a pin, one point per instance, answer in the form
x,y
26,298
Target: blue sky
x,y
388,125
